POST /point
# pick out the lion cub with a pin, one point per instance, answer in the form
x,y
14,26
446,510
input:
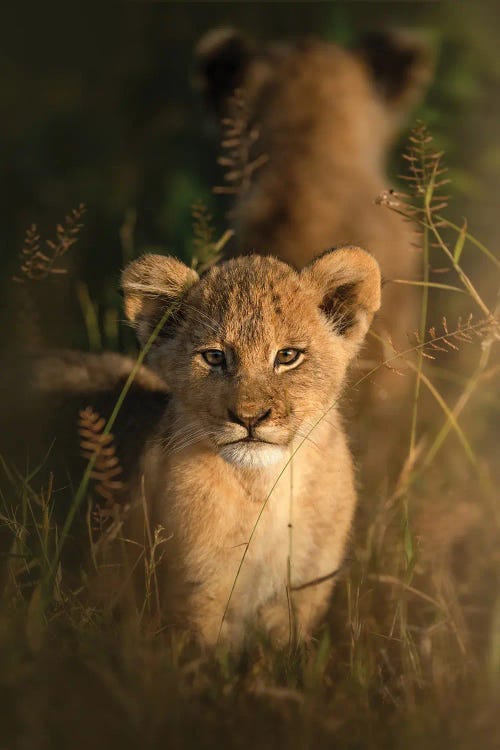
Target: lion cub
x,y
249,472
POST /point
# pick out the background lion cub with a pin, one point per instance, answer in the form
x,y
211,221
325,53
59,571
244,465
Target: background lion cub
x,y
326,118
254,356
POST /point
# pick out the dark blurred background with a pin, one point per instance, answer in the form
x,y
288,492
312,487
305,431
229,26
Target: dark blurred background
x,y
98,106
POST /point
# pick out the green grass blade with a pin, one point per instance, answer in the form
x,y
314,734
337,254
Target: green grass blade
x,y
459,244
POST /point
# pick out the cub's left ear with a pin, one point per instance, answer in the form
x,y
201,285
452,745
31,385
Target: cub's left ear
x,y
401,63
347,282
152,286
222,57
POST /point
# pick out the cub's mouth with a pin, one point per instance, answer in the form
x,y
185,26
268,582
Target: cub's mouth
x,y
251,452
249,439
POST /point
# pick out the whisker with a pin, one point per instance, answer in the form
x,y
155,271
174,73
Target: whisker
x,y
196,438
204,319
310,440
308,422
186,431
182,433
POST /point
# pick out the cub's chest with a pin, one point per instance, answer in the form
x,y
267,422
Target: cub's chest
x,y
263,574
230,532
270,541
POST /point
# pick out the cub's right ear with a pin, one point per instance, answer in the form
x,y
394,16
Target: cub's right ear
x,y
401,63
151,286
221,59
347,284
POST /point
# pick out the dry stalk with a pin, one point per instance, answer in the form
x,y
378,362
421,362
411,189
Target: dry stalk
x,y
207,249
100,446
37,264
205,246
238,142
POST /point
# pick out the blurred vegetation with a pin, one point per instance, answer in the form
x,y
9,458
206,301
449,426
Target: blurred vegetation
x,y
99,107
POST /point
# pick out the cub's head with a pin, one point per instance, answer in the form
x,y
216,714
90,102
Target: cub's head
x,y
252,351
363,95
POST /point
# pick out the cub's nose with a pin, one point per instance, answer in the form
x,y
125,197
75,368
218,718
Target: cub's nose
x,y
248,420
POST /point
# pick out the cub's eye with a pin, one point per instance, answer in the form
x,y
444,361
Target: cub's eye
x,y
286,357
214,357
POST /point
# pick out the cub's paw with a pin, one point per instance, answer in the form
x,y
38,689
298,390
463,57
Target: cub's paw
x,y
276,621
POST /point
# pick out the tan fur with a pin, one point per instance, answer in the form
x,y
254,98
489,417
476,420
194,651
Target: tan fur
x,y
42,393
207,495
74,372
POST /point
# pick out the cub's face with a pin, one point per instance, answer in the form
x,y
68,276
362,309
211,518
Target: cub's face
x,y
253,360
255,351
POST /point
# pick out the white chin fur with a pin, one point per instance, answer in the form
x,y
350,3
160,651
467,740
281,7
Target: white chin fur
x,y
252,455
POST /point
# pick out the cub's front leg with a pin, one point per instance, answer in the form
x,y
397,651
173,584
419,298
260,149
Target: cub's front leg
x,y
206,618
296,613
294,617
